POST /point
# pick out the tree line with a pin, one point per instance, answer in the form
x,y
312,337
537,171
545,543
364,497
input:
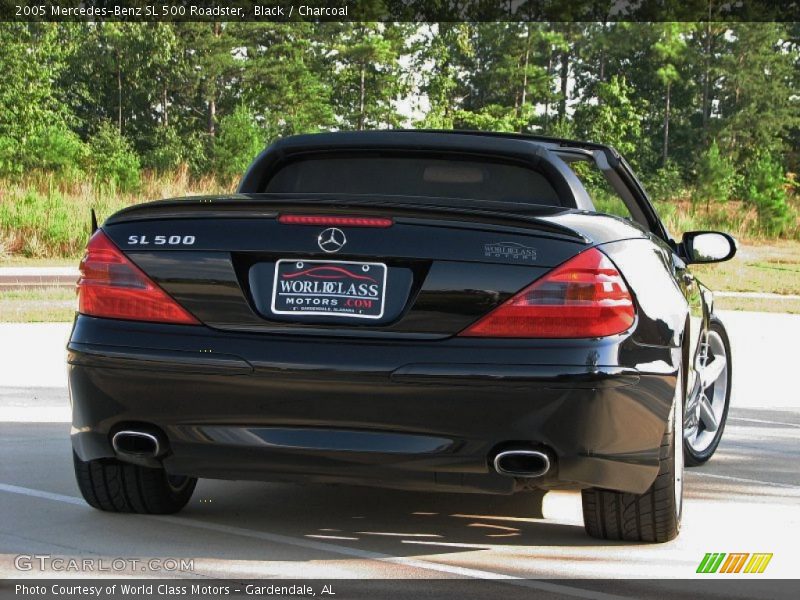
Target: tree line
x,y
707,111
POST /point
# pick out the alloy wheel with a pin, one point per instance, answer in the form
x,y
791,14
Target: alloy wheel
x,y
705,409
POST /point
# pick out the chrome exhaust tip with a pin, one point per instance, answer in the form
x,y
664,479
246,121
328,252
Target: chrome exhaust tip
x,y
522,463
136,444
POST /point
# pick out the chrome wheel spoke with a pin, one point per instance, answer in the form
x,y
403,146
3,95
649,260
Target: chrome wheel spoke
x,y
711,371
707,415
705,410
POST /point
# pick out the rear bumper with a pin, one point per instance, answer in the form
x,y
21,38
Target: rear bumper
x,y
406,414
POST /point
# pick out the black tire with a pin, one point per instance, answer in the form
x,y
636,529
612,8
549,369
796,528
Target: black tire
x,y
114,486
655,515
692,457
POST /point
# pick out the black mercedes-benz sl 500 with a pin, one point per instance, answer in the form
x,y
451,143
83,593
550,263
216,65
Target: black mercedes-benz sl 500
x,y
422,310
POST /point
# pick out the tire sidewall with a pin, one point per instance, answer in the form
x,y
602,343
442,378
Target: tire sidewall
x,y
692,457
677,457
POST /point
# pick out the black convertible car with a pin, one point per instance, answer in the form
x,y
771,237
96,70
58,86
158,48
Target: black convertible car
x,y
412,309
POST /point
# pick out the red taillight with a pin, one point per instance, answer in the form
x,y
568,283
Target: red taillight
x,y
111,286
330,221
584,297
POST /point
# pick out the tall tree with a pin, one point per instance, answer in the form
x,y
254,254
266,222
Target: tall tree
x,y
440,56
669,50
282,78
758,100
366,73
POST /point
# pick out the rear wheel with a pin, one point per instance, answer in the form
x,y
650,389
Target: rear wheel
x,y
655,515
707,407
114,486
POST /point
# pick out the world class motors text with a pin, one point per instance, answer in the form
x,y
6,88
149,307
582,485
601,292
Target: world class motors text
x,y
125,589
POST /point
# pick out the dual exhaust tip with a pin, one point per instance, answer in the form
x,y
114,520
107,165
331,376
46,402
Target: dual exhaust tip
x,y
137,444
522,463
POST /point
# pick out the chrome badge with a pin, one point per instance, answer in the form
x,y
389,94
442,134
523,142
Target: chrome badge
x,y
331,239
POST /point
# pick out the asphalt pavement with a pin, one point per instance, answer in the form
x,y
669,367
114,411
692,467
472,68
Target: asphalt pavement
x,y
747,499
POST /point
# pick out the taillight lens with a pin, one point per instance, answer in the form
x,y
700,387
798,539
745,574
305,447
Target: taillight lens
x,y
584,297
111,286
328,220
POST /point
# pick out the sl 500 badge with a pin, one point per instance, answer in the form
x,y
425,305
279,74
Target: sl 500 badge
x,y
161,240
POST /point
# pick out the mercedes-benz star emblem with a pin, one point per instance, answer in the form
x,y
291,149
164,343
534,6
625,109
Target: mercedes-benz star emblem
x,y
331,239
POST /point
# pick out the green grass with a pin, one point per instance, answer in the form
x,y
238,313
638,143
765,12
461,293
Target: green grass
x,y
37,305
767,267
40,218
791,307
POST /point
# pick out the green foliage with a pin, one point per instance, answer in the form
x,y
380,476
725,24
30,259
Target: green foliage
x,y
690,105
563,128
45,220
198,154
55,149
365,73
766,190
667,183
490,118
168,150
615,119
239,141
716,177
112,159
10,163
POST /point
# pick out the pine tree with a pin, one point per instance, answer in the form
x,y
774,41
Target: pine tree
x,y
716,177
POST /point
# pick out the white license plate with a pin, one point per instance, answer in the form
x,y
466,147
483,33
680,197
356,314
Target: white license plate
x,y
333,288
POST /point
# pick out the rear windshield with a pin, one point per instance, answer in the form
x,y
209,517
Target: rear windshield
x,y
415,176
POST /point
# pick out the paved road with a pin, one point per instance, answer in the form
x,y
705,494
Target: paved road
x,y
746,500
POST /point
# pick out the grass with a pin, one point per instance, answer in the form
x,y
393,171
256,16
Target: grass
x,y
788,306
16,260
39,305
757,267
43,218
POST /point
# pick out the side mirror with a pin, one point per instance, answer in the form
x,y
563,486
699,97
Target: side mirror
x,y
707,246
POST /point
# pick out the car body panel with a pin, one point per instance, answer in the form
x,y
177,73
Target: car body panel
x,y
402,401
218,395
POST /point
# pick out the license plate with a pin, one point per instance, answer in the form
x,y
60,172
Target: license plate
x,y
333,288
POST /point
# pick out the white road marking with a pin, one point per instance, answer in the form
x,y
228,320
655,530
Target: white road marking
x,y
15,489
763,421
746,480
765,295
35,414
336,549
10,272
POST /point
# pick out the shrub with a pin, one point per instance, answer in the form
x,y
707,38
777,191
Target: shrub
x,y
9,157
113,160
238,142
168,150
56,150
666,184
765,188
197,154
716,177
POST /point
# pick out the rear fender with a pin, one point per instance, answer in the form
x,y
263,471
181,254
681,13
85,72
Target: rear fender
x,y
662,308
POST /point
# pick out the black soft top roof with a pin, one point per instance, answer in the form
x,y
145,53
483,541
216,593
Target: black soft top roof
x,y
531,151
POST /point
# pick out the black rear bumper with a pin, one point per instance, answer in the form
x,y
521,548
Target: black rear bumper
x,y
416,414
